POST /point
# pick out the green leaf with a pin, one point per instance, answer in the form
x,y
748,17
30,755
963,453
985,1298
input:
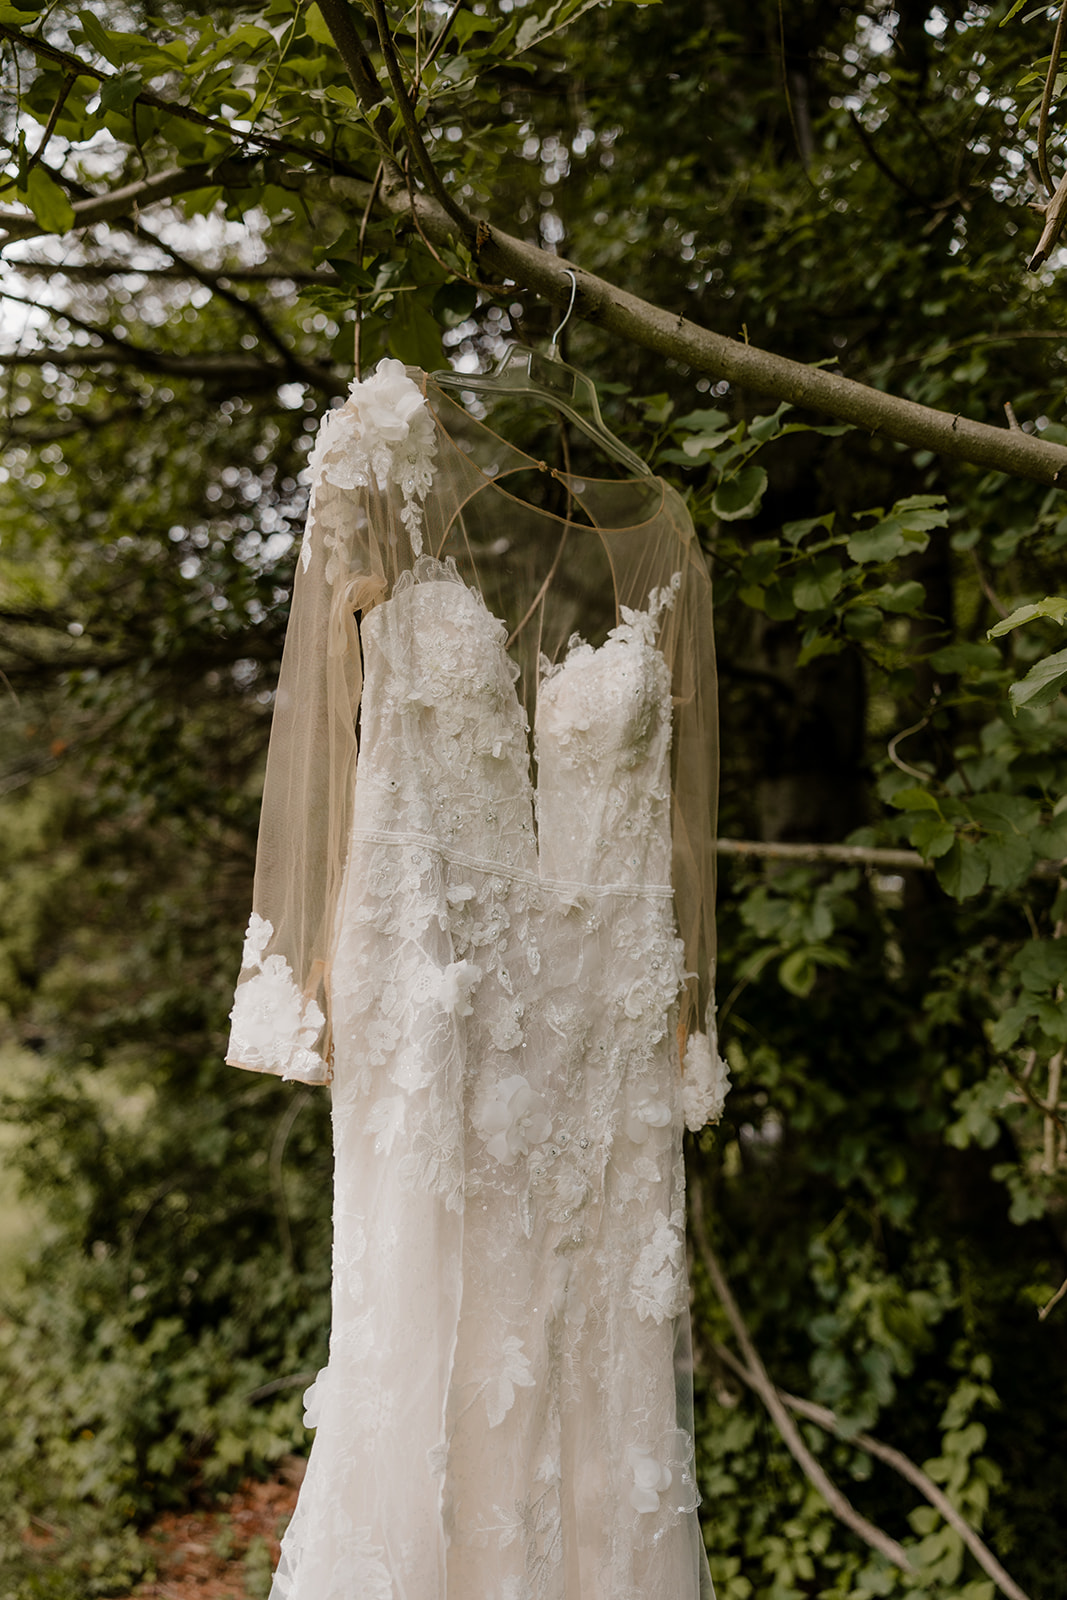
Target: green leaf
x,y
932,837
703,421
794,532
915,799
1005,812
1054,606
761,561
704,443
48,202
778,603
1041,964
1009,859
816,587
454,302
903,530
119,93
862,622
1009,1025
966,657
316,27
900,598
740,496
763,428
799,970
414,336
962,871
819,644
1042,684
100,39
1050,842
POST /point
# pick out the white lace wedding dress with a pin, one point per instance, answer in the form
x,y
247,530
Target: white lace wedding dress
x,y
506,1410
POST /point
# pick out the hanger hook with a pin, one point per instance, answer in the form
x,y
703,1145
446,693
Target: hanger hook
x,y
554,342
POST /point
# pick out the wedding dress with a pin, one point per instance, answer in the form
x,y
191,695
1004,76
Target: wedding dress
x,y
486,959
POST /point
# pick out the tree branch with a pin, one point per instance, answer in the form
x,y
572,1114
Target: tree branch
x,y
859,855
619,312
838,1502
1046,100
823,1417
412,132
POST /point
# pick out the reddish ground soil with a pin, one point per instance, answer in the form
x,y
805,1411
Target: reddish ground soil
x,y
215,1554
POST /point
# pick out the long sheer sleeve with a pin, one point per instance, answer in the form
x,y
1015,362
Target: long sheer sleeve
x,y
370,469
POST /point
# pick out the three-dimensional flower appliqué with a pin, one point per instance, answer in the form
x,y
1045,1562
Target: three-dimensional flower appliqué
x,y
705,1084
511,1118
274,1027
657,1283
382,436
663,1476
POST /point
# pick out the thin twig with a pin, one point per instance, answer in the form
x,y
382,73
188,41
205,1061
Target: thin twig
x,y
823,1417
1053,1122
859,854
905,733
438,41
1056,1298
987,588
357,336
1046,99
815,1473
50,128
412,134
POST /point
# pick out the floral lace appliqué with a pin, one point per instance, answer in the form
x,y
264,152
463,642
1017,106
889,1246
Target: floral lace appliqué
x,y
383,435
705,1085
274,1027
511,1118
657,1283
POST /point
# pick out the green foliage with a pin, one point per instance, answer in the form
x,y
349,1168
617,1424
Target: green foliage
x,y
888,1186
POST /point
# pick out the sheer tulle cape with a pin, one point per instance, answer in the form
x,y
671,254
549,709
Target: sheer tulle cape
x,y
572,563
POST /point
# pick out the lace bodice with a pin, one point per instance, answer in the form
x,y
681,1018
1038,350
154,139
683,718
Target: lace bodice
x,y
504,1412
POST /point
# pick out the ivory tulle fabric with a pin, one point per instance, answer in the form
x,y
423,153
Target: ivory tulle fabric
x,y
481,946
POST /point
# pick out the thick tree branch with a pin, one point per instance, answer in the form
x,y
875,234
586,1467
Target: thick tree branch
x,y
823,1417
617,311
813,1470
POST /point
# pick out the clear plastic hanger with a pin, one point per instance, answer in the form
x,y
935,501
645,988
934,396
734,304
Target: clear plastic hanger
x,y
548,378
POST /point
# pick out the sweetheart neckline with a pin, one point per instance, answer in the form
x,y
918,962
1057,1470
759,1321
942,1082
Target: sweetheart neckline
x,y
578,648
429,572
